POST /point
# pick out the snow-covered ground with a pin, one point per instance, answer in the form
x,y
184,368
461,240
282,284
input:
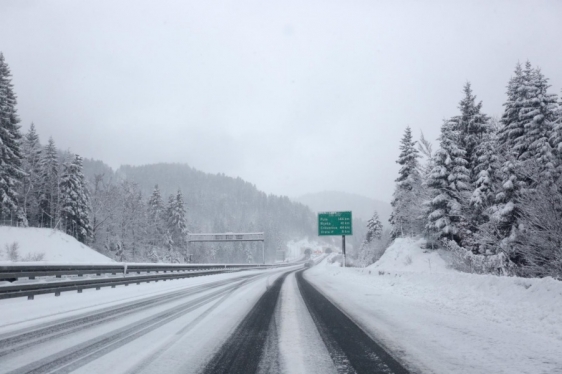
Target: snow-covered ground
x,y
55,246
437,320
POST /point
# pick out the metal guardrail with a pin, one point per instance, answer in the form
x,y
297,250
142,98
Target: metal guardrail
x,y
14,272
163,272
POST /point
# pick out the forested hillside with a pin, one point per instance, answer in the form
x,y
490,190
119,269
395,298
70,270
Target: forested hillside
x,y
142,213
125,214
218,203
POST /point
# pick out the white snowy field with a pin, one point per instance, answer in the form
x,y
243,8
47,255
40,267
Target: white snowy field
x,y
437,320
55,246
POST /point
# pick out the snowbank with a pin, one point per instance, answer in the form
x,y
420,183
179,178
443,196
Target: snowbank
x,y
54,245
406,255
438,320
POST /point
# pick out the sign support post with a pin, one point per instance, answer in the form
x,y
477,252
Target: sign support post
x,y
343,248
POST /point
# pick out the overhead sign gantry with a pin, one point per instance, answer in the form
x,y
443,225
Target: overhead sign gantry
x,y
230,237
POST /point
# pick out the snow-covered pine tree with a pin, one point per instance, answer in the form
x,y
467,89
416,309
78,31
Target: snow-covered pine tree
x,y
31,186
527,135
49,198
406,203
556,141
11,173
487,177
75,201
509,141
471,125
511,128
177,227
537,114
371,248
374,228
449,181
156,216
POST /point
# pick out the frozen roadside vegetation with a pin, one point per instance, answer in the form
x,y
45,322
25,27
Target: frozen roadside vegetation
x,y
44,245
438,320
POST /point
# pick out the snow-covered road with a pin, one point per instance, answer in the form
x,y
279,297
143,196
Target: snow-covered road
x,y
159,327
259,321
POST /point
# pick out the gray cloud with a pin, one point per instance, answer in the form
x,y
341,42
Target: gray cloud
x,y
293,96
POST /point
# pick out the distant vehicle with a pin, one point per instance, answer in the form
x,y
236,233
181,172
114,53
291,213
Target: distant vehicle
x,y
309,264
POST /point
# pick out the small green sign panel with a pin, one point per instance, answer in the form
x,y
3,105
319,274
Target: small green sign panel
x,y
334,223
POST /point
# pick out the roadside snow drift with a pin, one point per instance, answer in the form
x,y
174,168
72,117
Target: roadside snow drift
x,y
54,245
438,320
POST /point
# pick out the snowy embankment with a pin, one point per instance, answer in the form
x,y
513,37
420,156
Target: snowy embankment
x,y
45,246
437,320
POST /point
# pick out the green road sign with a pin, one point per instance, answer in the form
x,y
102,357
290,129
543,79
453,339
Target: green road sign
x,y
334,223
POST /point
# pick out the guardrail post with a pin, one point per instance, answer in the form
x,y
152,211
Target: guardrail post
x,y
79,290
30,297
57,293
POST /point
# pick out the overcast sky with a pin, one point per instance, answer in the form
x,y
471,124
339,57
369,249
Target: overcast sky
x,y
293,96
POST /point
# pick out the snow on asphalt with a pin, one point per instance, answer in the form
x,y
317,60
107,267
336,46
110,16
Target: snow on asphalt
x,y
437,320
301,348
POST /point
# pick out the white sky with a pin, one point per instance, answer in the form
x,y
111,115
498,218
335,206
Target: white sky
x,y
294,96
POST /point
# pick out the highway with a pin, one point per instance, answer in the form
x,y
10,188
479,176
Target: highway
x,y
255,321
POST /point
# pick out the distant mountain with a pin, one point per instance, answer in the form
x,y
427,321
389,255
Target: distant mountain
x,y
361,206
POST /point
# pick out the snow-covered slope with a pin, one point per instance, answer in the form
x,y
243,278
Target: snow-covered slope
x,y
55,246
439,320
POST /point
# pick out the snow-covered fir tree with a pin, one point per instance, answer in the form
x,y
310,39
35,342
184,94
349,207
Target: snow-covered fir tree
x,y
471,125
449,181
31,186
156,218
177,226
487,166
49,197
375,243
556,137
509,140
527,135
75,201
537,115
405,217
11,173
511,128
374,228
